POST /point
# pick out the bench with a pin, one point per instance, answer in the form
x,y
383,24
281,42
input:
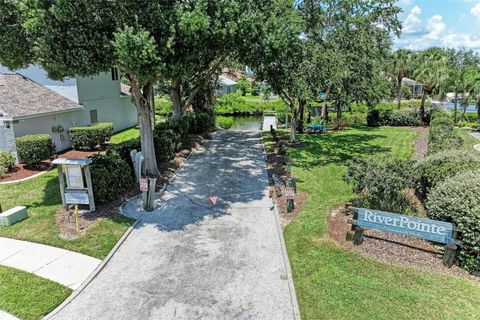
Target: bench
x,y
13,216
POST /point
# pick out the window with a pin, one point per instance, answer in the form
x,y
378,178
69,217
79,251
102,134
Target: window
x,y
114,74
93,116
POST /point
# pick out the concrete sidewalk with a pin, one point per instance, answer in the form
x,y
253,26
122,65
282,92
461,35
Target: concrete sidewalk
x,y
59,265
191,260
6,316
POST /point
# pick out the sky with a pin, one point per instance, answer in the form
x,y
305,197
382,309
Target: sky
x,y
444,23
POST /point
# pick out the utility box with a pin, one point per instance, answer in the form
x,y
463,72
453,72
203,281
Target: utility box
x,y
13,216
75,182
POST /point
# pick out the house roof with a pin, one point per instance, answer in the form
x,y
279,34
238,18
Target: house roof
x,y
226,81
21,97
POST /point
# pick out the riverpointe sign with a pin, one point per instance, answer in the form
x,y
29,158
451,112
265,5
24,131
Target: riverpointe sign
x,y
437,231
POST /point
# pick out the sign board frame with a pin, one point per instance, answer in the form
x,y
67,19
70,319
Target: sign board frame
x,y
427,229
77,197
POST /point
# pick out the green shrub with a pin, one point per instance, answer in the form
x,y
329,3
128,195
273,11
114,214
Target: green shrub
x,y
7,161
35,148
456,200
87,138
373,118
404,117
163,107
234,103
444,164
204,121
382,182
111,177
224,122
124,148
441,136
166,143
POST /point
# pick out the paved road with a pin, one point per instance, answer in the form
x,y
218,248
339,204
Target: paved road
x,y
59,265
191,260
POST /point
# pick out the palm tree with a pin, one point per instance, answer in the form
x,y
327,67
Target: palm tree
x,y
473,87
432,71
400,67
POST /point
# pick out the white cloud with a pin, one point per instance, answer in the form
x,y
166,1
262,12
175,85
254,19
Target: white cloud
x,y
457,40
413,22
476,10
435,26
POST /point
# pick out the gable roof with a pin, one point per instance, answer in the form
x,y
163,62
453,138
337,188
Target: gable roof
x,y
21,97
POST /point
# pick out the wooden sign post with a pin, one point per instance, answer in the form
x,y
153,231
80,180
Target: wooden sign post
x,y
427,229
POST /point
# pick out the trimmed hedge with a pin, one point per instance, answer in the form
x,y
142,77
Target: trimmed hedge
x,y
7,161
389,117
111,177
441,136
456,200
382,182
87,138
444,164
35,148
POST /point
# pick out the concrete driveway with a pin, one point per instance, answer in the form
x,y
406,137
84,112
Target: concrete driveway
x,y
191,260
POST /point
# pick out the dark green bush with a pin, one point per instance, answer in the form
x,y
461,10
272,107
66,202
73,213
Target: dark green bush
x,y
456,200
124,148
373,118
166,143
391,117
87,138
444,164
442,136
204,121
35,148
382,183
111,177
224,122
7,161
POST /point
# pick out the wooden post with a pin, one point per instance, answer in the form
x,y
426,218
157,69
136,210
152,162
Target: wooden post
x,y
1,208
290,203
61,178
358,236
149,195
451,250
91,199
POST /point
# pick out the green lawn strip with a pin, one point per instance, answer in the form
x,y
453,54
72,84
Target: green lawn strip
x,y
125,135
334,283
41,195
28,296
468,140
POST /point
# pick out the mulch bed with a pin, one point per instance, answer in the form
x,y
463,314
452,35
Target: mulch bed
x,y
421,144
393,248
276,166
22,171
79,154
65,219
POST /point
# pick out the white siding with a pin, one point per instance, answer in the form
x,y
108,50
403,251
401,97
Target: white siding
x,y
7,138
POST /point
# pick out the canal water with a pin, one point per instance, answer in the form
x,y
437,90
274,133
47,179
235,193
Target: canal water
x,y
247,123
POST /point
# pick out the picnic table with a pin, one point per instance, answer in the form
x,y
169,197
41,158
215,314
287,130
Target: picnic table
x,y
317,128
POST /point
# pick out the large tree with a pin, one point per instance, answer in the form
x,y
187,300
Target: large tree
x,y
180,43
332,47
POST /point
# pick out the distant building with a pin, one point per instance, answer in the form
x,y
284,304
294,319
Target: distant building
x,y
226,86
416,87
31,103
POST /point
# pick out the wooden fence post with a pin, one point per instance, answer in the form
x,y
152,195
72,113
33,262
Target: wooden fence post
x,y
451,250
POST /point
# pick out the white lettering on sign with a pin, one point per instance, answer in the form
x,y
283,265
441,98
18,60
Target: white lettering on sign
x,y
428,229
404,222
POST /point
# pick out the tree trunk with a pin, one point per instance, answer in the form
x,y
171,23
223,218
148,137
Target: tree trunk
x,y
301,111
465,106
141,99
176,97
421,112
339,114
324,114
293,124
455,108
399,93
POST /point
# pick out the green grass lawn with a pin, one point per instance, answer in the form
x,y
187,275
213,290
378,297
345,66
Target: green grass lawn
x,y
41,195
334,283
28,296
124,135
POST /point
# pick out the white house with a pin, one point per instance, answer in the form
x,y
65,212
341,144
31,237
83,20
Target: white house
x,y
226,86
32,103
